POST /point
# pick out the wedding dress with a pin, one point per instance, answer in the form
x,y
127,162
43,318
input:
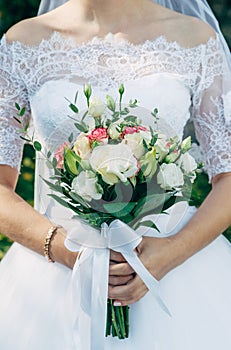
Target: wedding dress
x,y
37,303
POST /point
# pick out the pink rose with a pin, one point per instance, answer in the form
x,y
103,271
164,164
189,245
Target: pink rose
x,y
132,129
59,155
99,134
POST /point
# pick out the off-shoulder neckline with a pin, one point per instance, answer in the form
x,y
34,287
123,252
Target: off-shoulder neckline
x,y
109,39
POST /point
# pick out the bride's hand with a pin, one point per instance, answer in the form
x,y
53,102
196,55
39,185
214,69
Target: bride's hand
x,y
120,272
155,254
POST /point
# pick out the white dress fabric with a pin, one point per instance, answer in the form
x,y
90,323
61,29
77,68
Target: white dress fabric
x,y
37,309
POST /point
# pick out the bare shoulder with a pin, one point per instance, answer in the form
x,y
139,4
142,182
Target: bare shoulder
x,y
193,31
29,31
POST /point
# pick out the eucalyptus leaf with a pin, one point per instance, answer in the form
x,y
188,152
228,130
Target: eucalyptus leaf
x,y
78,199
81,127
54,187
71,137
48,154
74,108
37,146
22,111
17,106
63,202
131,118
54,162
19,121
24,138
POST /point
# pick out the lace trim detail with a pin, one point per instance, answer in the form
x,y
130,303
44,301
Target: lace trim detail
x,y
12,90
214,137
11,145
106,62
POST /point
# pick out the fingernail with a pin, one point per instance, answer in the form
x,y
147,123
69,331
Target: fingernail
x,y
117,303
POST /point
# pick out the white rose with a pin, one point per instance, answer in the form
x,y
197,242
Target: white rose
x,y
187,163
135,142
170,176
114,162
82,146
96,107
86,186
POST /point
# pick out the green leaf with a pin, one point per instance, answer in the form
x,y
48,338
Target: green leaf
x,y
71,137
131,118
62,201
115,116
110,103
81,127
151,203
147,223
22,112
19,121
17,106
133,104
48,154
26,126
54,162
76,97
37,146
54,187
78,199
24,138
119,209
71,161
74,108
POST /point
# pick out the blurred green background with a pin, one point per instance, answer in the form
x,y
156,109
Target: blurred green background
x,y
13,11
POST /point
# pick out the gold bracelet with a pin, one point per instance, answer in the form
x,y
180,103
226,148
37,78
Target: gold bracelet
x,y
50,234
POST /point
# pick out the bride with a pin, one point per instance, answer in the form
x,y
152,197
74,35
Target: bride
x,y
167,59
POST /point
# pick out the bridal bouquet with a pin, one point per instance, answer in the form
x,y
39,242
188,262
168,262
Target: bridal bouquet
x,y
117,168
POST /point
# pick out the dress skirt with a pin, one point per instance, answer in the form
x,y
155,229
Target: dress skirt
x,y
37,309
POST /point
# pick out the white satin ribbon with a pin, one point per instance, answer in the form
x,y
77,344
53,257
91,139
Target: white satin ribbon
x,y
93,265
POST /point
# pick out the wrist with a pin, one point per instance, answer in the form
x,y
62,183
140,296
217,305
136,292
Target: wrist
x,y
59,253
178,250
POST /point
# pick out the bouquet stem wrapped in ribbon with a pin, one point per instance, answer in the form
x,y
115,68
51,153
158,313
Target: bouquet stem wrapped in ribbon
x,y
118,170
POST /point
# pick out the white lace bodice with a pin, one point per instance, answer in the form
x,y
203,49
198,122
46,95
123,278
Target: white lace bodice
x,y
180,82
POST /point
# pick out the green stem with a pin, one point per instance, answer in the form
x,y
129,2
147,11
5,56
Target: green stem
x,y
114,323
126,319
120,321
109,319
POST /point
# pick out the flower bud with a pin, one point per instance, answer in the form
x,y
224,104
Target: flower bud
x,y
87,91
121,89
110,103
185,145
96,107
172,157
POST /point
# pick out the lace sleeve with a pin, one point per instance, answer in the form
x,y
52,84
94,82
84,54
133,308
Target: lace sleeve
x,y
212,111
12,90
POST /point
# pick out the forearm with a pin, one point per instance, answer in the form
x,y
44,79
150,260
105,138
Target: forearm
x,y
21,223
211,219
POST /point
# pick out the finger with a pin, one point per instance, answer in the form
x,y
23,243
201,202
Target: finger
x,y
121,269
116,257
119,281
130,293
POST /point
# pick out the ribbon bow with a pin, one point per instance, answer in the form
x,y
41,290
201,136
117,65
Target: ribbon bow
x,y
90,273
